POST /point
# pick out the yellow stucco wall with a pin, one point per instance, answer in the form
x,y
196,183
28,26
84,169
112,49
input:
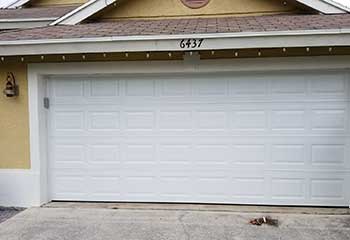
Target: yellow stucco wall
x,y
39,3
175,8
14,121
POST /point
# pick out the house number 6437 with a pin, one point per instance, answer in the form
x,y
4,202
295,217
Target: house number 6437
x,y
191,43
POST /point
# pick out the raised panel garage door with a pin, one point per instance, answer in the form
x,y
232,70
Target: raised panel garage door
x,y
262,138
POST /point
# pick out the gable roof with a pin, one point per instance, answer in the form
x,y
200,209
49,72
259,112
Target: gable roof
x,y
94,6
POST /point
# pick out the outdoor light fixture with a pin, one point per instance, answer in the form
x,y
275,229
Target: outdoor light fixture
x,y
11,88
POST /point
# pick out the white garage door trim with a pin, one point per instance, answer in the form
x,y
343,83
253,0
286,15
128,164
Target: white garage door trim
x,y
37,85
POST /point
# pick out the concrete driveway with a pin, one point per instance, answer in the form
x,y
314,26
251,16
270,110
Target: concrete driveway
x,y
132,224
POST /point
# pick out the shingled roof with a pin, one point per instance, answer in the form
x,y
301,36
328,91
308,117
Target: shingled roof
x,y
182,26
32,13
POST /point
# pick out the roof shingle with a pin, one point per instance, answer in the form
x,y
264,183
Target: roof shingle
x,y
183,26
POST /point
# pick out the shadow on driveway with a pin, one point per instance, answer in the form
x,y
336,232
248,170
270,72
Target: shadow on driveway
x,y
6,213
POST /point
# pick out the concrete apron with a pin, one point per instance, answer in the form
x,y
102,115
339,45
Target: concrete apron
x,y
133,224
202,207
111,221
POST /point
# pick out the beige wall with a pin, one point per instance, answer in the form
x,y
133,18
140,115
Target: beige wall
x,y
14,125
175,8
38,3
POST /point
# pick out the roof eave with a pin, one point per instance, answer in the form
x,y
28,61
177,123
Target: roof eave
x,y
217,41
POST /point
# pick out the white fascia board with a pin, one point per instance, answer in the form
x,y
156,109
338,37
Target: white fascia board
x,y
83,12
312,38
337,4
24,23
324,6
17,4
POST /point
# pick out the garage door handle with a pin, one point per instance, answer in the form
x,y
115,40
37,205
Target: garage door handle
x,y
46,103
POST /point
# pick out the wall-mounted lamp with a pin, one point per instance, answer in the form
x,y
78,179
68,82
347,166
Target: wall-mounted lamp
x,y
11,88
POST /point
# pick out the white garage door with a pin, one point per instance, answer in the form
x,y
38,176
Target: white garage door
x,y
215,138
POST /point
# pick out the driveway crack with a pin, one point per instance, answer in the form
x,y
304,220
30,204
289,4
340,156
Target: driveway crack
x,y
183,225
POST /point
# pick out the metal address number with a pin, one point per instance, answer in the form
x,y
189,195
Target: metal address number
x,y
191,43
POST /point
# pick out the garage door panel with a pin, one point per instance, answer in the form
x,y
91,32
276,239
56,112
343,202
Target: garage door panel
x,y
289,155
175,87
67,89
250,154
327,154
289,85
291,120
103,120
334,84
329,120
143,87
250,120
104,88
250,187
220,138
174,153
257,85
175,120
296,87
104,156
278,152
288,188
205,87
69,121
68,156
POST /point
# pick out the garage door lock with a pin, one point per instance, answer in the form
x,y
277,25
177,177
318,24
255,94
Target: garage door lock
x,y
46,103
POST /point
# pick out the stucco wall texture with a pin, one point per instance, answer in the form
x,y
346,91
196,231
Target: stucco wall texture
x,y
14,121
175,8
